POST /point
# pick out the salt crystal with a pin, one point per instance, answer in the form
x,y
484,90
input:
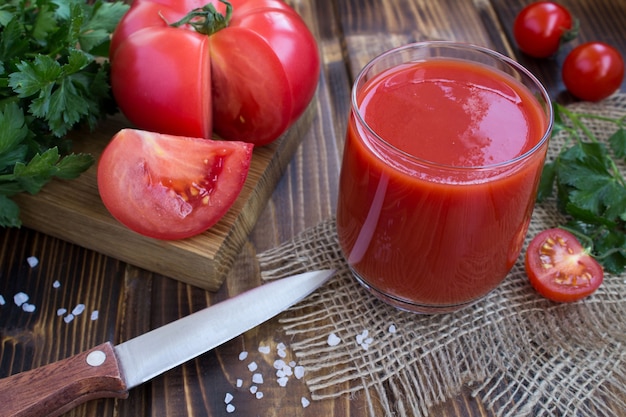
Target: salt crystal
x,y
282,381
282,353
252,366
333,340
29,308
298,371
243,355
230,408
254,389
292,364
2,301
287,371
78,310
365,346
259,395
68,318
280,373
392,328
32,261
228,398
94,315
279,364
369,340
305,402
20,298
264,349
56,284
257,378
239,382
61,311
281,346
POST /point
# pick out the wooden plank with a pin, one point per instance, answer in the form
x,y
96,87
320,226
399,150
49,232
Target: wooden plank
x,y
72,210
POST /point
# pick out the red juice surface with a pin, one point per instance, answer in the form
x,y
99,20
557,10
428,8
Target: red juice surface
x,y
421,223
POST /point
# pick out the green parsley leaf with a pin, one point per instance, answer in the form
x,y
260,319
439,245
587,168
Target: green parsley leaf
x,y
51,81
590,189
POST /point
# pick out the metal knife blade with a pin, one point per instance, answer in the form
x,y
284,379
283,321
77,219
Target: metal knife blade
x,y
110,371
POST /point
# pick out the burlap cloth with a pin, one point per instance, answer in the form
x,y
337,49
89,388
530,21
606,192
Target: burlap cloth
x,y
518,352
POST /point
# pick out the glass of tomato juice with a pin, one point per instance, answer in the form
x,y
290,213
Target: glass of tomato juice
x,y
444,150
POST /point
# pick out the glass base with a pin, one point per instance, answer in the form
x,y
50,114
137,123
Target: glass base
x,y
410,306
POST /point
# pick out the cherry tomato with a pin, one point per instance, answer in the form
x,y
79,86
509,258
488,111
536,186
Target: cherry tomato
x,y
246,80
540,28
170,187
559,268
593,71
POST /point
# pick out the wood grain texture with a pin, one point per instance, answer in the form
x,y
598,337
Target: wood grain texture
x,y
133,300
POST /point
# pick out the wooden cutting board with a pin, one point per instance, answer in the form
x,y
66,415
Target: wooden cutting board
x,y
72,210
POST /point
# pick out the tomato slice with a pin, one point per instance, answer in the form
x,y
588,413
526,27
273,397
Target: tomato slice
x,y
559,268
170,187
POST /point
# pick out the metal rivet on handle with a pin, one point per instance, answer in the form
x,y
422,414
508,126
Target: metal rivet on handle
x,y
96,358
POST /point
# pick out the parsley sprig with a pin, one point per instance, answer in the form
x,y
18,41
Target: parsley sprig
x,y
590,188
52,79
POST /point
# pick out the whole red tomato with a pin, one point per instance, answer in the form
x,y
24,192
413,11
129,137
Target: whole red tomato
x,y
247,77
593,71
541,27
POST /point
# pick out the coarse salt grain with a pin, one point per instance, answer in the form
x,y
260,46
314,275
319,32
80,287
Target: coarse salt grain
x,y
56,284
292,364
32,261
2,301
68,318
254,389
29,308
258,395
228,398
279,364
252,366
239,382
282,381
61,311
392,328
282,353
305,402
78,310
333,340
20,298
257,378
298,371
230,408
281,346
94,315
243,355
264,349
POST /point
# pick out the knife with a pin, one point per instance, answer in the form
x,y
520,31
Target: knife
x,y
110,371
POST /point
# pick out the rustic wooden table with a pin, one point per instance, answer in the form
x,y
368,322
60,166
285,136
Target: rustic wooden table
x,y
131,301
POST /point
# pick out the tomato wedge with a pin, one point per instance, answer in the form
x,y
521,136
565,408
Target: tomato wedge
x,y
559,268
170,187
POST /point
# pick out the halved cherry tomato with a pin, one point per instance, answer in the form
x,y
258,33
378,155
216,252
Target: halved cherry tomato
x,y
559,268
593,71
170,187
540,28
248,79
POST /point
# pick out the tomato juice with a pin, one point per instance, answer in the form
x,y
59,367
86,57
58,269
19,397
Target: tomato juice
x,y
440,171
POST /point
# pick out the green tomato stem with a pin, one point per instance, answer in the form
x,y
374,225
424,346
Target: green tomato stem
x,y
207,20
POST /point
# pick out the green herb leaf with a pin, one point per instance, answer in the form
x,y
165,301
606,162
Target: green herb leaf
x,y
50,82
591,190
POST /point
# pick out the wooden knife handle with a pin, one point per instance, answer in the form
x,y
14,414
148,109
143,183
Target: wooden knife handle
x,y
54,389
